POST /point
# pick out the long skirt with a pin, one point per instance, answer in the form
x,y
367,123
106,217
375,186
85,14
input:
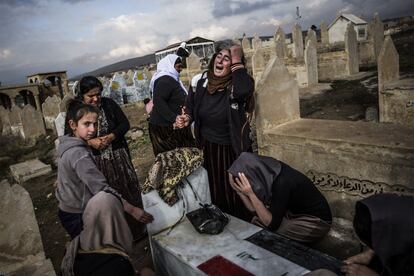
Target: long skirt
x,y
165,138
120,173
217,161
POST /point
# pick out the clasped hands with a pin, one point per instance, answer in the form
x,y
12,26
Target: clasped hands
x,y
101,142
182,120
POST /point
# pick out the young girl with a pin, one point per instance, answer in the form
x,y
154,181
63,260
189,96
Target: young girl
x,y
91,212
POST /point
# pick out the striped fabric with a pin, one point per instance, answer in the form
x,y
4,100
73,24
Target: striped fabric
x,y
165,138
217,160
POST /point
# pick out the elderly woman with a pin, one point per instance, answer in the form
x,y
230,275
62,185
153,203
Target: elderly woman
x,y
110,148
284,200
169,96
218,109
384,223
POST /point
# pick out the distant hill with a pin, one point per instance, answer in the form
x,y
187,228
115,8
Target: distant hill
x,y
120,66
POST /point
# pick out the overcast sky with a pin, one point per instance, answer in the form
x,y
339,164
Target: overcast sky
x,y
79,36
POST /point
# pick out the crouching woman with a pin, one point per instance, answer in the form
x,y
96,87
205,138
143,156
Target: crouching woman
x,y
284,200
90,211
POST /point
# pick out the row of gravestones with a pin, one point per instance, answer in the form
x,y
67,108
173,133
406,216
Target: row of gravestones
x,y
309,55
127,87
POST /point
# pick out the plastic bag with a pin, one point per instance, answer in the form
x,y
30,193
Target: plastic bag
x,y
208,219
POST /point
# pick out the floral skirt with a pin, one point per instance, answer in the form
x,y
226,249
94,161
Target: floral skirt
x,y
116,166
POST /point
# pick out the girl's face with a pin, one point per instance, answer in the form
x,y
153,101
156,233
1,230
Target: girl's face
x,y
86,127
93,96
222,63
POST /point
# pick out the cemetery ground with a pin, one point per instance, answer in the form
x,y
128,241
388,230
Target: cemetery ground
x,y
346,100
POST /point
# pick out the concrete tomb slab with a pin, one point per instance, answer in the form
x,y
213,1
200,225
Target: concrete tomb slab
x,y
29,169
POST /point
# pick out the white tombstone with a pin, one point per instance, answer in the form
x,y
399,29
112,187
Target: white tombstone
x,y
4,114
324,33
246,44
32,122
50,110
257,42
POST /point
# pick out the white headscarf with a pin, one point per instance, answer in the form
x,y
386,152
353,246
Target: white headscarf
x,y
166,68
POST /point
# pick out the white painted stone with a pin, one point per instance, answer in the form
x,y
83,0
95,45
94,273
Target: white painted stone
x,y
246,44
50,110
256,42
193,61
311,35
29,169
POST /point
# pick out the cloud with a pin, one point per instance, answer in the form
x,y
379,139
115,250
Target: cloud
x,y
212,32
5,53
237,7
121,23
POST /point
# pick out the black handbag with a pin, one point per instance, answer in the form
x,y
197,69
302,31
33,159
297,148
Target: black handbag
x,y
208,219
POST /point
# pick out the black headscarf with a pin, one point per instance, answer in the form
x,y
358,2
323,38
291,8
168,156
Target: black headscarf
x,y
261,172
385,222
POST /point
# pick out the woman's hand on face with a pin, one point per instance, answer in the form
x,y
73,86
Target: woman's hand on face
x,y
243,185
236,52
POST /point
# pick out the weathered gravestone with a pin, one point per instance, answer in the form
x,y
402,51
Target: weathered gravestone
x,y
20,241
15,121
245,44
311,62
29,169
50,109
351,49
32,122
256,42
376,29
193,62
4,115
258,63
286,93
324,33
297,42
311,35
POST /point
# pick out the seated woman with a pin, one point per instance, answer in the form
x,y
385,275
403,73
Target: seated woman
x,y
384,223
285,200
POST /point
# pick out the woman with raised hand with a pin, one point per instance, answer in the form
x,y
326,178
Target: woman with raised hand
x,y
218,108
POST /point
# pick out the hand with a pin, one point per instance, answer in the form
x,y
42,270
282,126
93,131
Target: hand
x,y
97,143
141,216
236,52
242,185
107,139
361,258
357,270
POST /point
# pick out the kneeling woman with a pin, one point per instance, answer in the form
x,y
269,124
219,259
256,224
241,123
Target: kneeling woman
x,y
284,200
90,211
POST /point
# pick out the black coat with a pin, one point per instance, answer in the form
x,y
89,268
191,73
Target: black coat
x,y
239,92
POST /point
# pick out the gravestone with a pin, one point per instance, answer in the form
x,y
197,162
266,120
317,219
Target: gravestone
x,y
297,42
257,42
64,103
388,64
129,78
60,123
280,46
351,49
311,62
50,109
21,245
193,61
15,121
32,122
311,35
324,33
236,41
376,28
4,115
258,63
276,83
246,44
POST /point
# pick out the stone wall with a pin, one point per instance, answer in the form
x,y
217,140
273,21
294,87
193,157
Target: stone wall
x,y
332,65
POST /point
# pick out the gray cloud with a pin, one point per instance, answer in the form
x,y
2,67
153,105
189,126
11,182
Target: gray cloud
x,y
235,7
